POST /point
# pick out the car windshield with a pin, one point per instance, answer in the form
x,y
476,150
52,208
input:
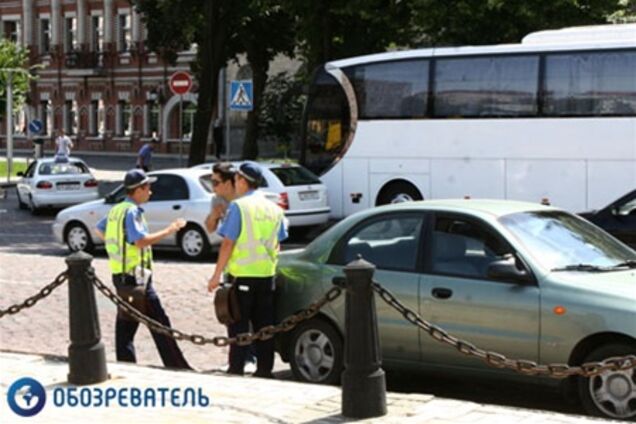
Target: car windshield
x,y
560,241
295,175
72,168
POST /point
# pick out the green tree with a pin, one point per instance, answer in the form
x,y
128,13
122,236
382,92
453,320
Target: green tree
x,y
283,101
457,22
266,30
176,24
333,29
13,56
625,14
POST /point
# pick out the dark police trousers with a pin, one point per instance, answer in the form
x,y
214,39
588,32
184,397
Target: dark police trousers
x,y
125,330
256,302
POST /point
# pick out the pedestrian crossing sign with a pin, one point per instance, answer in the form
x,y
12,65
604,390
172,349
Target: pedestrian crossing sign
x,y
241,95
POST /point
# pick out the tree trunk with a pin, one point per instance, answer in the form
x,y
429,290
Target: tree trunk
x,y
260,67
211,53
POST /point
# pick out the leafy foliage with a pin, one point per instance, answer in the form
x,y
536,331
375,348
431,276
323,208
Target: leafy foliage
x,y
13,56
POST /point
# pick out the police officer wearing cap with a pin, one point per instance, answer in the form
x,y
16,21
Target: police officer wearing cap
x,y
127,240
251,233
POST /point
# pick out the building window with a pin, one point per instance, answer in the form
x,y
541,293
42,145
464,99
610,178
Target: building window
x,y
96,118
97,33
152,118
70,117
70,34
11,31
124,33
45,36
45,116
187,126
124,122
20,122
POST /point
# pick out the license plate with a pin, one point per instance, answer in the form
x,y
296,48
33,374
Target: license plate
x,y
68,187
308,195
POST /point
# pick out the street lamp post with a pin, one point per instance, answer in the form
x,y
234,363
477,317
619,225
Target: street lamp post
x,y
9,123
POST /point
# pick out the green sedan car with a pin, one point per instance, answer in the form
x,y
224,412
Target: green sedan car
x,y
528,281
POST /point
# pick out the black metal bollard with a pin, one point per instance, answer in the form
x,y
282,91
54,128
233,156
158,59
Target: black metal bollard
x,y
86,354
363,381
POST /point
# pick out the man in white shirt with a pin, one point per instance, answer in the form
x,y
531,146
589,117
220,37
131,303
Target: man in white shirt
x,y
63,144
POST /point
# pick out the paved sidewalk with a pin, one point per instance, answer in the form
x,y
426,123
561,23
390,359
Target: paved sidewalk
x,y
243,400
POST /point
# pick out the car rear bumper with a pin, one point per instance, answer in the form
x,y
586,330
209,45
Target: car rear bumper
x,y
66,199
308,217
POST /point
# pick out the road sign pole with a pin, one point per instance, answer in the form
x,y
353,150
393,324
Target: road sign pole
x,y
9,124
227,129
180,131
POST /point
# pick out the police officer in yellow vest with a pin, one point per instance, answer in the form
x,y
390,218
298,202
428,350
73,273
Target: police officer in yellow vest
x,y
251,233
127,240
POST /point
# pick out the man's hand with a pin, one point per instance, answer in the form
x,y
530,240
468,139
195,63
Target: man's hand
x,y
176,225
214,282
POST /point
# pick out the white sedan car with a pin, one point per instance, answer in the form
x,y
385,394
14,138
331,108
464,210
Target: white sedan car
x,y
177,193
52,182
300,193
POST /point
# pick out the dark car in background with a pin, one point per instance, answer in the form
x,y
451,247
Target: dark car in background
x,y
618,218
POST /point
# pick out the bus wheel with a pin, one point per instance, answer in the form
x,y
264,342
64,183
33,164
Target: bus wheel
x,y
398,192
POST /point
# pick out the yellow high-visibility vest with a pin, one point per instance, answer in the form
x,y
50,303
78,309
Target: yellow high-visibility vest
x,y
118,249
255,252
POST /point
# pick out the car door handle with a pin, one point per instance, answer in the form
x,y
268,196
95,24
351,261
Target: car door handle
x,y
176,207
442,293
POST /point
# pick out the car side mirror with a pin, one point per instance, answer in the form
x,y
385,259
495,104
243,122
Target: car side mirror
x,y
20,174
109,198
506,269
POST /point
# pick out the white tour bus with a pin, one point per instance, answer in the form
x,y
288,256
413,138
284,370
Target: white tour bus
x,y
553,117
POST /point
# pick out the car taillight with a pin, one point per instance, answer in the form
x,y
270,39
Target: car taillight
x,y
283,201
91,183
44,185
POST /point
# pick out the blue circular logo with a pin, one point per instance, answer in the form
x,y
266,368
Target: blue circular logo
x,y
26,397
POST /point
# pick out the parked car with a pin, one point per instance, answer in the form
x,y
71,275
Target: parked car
x,y
55,182
177,193
301,193
528,281
618,218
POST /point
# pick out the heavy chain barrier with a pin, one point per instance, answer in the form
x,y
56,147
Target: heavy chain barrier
x,y
242,339
29,302
494,359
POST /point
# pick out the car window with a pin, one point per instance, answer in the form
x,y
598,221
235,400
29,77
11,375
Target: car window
x,y
169,187
30,170
462,246
389,243
295,175
72,168
206,182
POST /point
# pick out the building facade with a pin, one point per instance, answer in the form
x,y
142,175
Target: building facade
x,y
99,82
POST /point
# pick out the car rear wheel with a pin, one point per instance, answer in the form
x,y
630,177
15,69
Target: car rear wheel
x,y
77,238
193,243
611,394
316,352
398,192
21,204
34,209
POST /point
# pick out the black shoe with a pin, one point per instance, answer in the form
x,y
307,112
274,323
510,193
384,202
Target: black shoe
x,y
263,374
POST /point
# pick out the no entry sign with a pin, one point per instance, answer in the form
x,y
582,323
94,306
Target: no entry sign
x,y
180,83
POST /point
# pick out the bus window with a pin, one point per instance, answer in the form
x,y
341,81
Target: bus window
x,y
396,89
499,86
590,84
327,125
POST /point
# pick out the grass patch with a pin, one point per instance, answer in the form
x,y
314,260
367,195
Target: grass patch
x,y
17,167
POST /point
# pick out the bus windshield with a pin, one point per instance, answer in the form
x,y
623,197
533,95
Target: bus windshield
x,y
327,124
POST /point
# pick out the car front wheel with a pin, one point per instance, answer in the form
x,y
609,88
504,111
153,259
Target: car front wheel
x,y
77,238
193,243
611,394
316,352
